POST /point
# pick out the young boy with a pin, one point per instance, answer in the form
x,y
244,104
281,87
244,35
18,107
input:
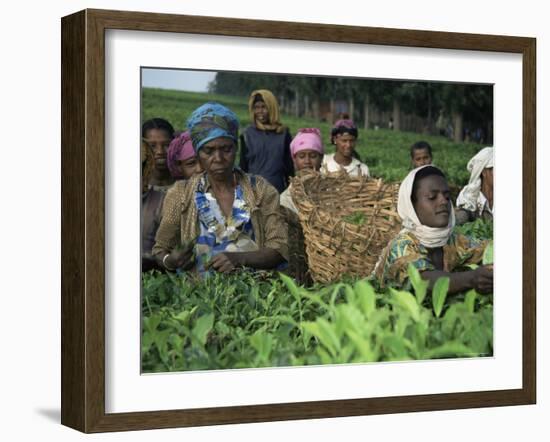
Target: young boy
x,y
421,154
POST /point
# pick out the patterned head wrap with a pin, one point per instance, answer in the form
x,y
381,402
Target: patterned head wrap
x,y
180,149
428,236
210,121
340,127
272,109
307,139
469,195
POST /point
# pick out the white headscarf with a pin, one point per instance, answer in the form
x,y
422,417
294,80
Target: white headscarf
x,y
469,196
428,236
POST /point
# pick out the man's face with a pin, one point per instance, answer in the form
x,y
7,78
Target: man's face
x,y
421,157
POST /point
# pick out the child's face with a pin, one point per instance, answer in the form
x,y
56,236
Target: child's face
x,y
421,157
345,144
189,167
308,159
261,113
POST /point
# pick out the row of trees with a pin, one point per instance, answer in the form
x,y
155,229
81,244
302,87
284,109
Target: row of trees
x,y
454,109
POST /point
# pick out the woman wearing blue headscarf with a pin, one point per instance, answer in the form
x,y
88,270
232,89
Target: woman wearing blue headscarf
x,y
222,218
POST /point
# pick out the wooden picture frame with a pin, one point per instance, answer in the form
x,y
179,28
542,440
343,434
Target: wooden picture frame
x,y
83,220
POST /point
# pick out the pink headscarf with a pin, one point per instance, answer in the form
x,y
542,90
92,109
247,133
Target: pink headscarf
x,y
180,149
307,139
342,126
346,122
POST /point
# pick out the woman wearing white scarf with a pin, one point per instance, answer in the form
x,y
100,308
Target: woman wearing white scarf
x,y
428,236
476,198
427,240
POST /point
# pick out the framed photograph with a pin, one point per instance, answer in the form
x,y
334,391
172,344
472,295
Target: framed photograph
x,y
114,376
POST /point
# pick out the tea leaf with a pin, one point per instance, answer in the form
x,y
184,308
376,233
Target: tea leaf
x,y
262,343
183,317
202,327
357,218
470,300
291,286
408,303
439,294
323,331
395,347
420,285
362,346
488,254
449,350
366,296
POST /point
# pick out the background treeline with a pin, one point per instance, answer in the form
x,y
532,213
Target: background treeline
x,y
462,112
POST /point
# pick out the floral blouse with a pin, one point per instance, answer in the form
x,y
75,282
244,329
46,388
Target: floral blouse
x,y
406,249
191,214
220,234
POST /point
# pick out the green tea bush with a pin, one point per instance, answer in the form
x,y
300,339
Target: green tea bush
x,y
248,320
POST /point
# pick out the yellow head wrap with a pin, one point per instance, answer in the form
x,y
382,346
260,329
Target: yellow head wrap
x,y
272,108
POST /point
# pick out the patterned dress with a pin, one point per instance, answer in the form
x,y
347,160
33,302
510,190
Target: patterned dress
x,y
406,249
191,213
220,234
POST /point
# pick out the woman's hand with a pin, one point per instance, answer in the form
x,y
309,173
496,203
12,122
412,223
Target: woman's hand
x,y
180,259
148,262
480,279
225,262
483,279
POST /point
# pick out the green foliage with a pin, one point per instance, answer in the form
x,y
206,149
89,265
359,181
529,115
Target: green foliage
x,y
419,285
488,254
261,320
357,218
478,229
439,294
408,303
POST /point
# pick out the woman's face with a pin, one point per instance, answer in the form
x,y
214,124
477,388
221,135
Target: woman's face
x,y
189,167
217,157
158,141
433,201
308,159
261,114
345,144
421,157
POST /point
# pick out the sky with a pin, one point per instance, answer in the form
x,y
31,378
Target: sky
x,y
185,80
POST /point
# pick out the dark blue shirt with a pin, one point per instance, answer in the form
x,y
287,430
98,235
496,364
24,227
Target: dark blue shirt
x,y
267,153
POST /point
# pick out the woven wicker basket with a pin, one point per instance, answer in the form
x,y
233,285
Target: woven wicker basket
x,y
297,259
335,245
